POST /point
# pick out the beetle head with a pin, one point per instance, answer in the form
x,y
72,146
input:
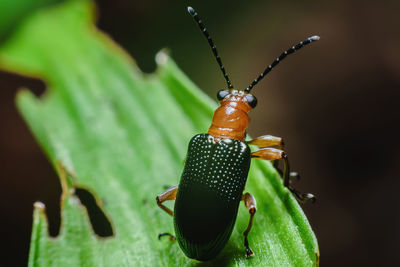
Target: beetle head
x,y
235,97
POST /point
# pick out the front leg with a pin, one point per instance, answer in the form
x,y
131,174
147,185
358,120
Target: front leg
x,y
267,141
275,154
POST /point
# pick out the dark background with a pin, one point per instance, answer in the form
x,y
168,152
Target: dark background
x,y
335,103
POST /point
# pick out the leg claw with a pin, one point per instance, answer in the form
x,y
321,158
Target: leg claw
x,y
303,197
249,253
171,237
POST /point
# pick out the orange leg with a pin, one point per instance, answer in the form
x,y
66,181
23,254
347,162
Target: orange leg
x,y
250,203
267,140
170,194
274,154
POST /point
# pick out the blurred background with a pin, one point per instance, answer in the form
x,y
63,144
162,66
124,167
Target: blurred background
x,y
335,103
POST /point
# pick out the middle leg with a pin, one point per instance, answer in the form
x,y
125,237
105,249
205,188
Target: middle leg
x,y
270,153
169,194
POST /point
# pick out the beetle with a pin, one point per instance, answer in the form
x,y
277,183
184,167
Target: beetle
x,y
216,168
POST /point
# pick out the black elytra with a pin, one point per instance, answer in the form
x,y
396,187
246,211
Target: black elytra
x,y
209,194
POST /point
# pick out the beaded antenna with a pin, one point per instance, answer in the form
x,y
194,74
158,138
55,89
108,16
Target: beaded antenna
x,y
266,71
211,43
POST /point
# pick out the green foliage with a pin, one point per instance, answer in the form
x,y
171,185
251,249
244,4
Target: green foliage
x,y
123,136
11,12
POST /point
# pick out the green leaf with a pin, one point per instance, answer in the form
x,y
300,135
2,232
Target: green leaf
x,y
11,12
123,135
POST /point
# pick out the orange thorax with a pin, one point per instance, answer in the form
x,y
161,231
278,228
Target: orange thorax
x,y
230,120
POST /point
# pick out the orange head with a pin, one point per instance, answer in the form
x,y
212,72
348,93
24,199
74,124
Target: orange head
x,y
231,119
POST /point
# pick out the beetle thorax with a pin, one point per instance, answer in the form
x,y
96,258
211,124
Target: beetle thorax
x,y
231,119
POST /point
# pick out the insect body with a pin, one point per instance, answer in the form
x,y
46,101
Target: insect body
x,y
215,173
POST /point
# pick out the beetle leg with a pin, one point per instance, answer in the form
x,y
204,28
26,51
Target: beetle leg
x,y
267,140
250,203
171,237
274,154
270,153
302,197
170,194
292,175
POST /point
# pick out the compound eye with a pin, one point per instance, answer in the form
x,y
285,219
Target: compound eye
x,y
221,94
252,100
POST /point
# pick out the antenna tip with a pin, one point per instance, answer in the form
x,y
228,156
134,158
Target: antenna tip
x,y
191,10
315,38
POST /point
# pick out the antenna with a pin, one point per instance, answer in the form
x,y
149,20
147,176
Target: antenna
x,y
211,43
280,58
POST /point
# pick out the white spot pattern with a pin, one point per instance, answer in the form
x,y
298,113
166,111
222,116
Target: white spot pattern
x,y
222,167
